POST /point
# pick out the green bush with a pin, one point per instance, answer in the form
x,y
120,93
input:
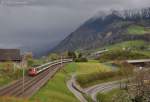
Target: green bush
x,y
115,95
84,79
81,60
53,56
72,54
30,62
9,73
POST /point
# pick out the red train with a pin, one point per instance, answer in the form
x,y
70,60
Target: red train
x,y
36,70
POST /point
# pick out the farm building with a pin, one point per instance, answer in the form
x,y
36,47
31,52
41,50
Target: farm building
x,y
13,55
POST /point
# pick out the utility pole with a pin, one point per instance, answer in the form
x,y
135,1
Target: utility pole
x,y
23,82
23,74
61,60
14,65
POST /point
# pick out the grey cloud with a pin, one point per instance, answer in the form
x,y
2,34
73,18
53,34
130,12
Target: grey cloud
x,y
41,22
88,4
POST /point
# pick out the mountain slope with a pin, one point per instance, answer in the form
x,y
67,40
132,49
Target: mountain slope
x,y
118,26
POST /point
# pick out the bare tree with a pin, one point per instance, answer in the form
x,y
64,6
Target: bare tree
x,y
139,88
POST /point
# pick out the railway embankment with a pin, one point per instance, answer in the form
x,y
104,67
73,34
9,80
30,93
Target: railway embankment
x,y
30,85
26,86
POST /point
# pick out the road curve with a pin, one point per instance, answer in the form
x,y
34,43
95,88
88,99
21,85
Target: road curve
x,y
102,88
77,93
91,91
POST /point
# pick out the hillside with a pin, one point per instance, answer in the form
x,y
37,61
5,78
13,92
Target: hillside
x,y
115,27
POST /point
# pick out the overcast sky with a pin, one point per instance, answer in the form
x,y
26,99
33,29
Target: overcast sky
x,y
35,22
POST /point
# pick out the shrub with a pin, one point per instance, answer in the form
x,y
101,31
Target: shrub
x,y
30,62
72,54
116,95
53,56
84,79
81,60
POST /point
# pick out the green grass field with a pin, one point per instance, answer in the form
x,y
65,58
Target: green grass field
x,y
134,45
108,97
13,99
90,67
87,71
56,90
137,49
137,30
139,46
8,73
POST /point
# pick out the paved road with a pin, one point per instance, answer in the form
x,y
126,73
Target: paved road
x,y
105,87
77,93
91,91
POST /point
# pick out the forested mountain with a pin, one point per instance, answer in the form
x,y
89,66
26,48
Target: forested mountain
x,y
112,28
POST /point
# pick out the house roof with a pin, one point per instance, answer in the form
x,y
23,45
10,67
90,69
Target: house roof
x,y
100,52
10,55
138,61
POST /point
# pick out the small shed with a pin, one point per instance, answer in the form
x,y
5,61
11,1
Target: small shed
x,y
13,55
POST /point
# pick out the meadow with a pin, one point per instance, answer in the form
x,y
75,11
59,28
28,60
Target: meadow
x,y
133,45
56,90
137,49
109,96
13,99
87,73
137,30
90,67
8,73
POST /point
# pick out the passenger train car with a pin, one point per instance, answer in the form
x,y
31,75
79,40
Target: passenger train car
x,y
36,70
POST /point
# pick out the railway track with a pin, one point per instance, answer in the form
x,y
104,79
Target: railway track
x,y
31,84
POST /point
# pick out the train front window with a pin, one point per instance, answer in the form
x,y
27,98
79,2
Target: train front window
x,y
30,69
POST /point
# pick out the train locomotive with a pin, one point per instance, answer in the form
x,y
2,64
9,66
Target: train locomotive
x,y
36,70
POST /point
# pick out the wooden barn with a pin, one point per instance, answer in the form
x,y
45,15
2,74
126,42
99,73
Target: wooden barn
x,y
13,55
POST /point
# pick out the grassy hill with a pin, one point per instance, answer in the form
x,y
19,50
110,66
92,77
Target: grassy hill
x,y
133,45
109,96
137,30
134,49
